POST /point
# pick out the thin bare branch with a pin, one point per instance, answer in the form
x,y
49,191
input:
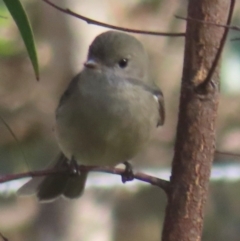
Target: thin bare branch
x,y
92,21
117,171
15,138
235,39
227,154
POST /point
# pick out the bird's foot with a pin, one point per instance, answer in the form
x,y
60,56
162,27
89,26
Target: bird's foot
x,y
127,175
74,167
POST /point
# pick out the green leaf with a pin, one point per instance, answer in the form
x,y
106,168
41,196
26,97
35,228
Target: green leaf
x,y
17,11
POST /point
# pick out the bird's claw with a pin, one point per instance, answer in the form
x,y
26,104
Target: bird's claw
x,y
74,167
127,175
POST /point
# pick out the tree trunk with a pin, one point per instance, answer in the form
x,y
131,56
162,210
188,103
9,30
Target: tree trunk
x,y
195,141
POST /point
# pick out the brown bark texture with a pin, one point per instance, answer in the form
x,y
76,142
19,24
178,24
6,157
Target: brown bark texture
x,y
195,141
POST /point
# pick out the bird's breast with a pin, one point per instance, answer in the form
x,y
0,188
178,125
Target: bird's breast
x,y
106,123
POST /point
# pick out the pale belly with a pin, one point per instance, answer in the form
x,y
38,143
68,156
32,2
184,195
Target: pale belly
x,y
105,144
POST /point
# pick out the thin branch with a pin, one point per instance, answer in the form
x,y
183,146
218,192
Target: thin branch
x,y
230,27
92,21
235,39
222,42
227,154
117,171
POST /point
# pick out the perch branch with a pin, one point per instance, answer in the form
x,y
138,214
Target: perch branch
x,y
117,171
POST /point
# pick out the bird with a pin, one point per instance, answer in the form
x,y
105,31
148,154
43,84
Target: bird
x,y
106,116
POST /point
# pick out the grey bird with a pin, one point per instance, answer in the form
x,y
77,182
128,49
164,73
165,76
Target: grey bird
x,y
106,115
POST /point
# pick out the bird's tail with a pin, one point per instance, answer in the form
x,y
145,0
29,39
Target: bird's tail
x,y
50,187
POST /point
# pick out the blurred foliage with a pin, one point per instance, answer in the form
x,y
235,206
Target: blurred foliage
x,y
222,213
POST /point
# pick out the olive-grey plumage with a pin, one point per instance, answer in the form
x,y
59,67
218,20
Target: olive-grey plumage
x,y
108,112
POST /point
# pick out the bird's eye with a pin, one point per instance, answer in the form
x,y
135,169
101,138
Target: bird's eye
x,y
123,63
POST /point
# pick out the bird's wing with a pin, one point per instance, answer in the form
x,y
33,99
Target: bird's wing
x,y
69,90
158,95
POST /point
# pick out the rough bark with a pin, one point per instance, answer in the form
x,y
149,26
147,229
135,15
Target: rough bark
x,y
195,141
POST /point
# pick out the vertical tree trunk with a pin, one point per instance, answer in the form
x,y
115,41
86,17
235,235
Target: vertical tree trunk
x,y
195,144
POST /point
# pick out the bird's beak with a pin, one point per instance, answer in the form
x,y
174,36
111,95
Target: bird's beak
x,y
91,64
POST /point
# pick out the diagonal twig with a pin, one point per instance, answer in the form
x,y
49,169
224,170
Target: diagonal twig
x,y
222,42
3,237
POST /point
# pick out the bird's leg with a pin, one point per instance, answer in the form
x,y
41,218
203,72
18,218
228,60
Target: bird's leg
x,y
127,175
